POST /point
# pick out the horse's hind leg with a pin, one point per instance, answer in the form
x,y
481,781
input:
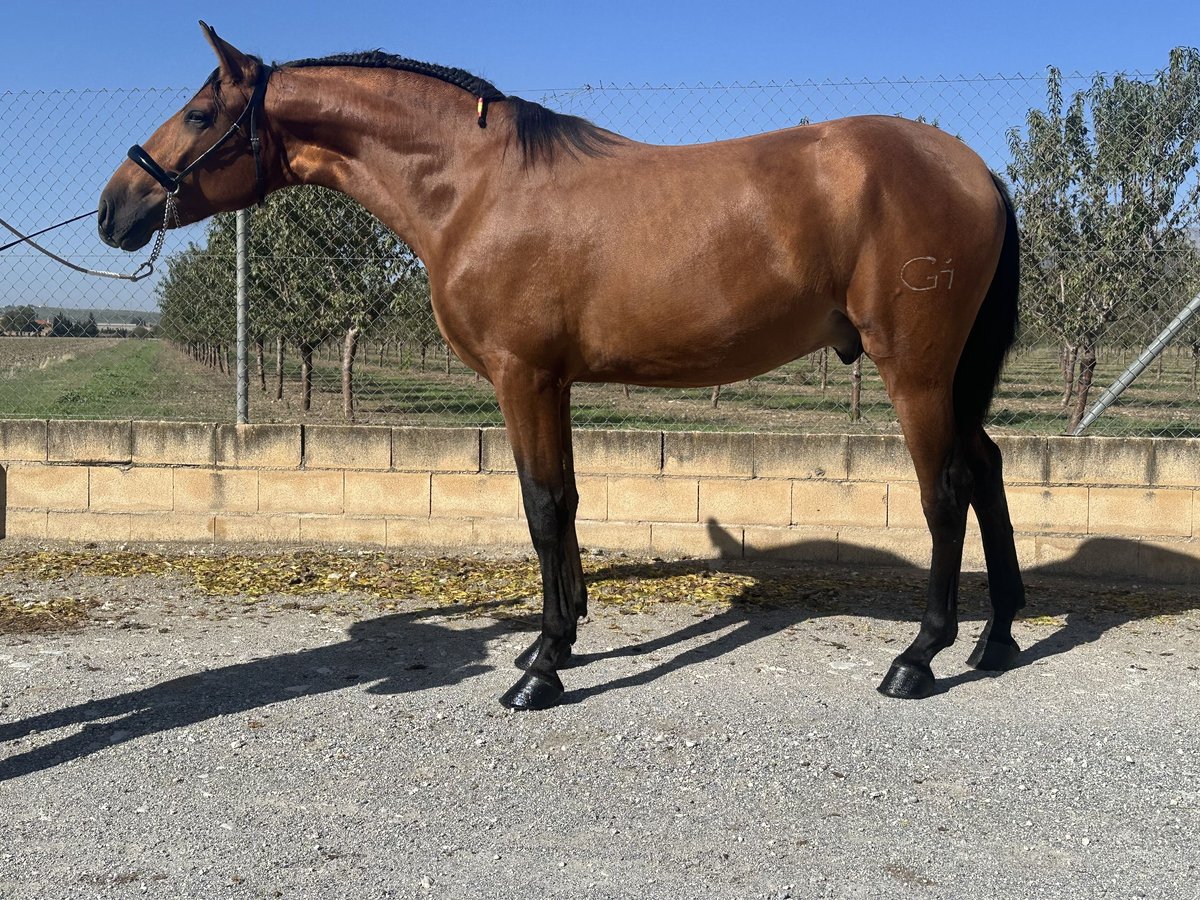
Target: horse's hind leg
x,y
532,404
945,478
578,586
996,649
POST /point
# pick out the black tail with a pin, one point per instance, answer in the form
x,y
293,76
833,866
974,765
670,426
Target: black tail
x,y
994,331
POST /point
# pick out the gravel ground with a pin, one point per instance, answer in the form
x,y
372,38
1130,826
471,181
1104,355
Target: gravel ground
x,y
177,744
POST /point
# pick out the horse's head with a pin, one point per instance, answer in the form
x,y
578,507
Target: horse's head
x,y
205,156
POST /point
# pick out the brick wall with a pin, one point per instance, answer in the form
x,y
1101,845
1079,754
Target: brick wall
x,y
1093,506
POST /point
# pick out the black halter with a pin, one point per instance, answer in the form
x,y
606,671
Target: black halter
x,y
171,182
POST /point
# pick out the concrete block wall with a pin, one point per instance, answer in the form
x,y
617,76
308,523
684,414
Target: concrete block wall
x,y
1093,506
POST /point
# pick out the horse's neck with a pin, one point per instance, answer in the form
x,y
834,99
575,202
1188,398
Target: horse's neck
x,y
403,145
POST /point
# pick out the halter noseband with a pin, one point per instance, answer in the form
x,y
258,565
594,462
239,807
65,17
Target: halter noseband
x,y
171,183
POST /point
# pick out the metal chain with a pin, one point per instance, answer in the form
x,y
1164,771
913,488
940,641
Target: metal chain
x,y
170,217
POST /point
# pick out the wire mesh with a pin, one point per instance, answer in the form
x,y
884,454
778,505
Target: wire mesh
x,y
1103,171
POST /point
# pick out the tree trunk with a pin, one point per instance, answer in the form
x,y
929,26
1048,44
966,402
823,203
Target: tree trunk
x,y
856,391
824,370
447,359
716,395
624,390
1195,364
382,351
306,368
348,350
279,367
260,361
1070,355
424,350
1087,371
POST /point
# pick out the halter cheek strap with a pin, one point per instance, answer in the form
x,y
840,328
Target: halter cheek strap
x,y
171,183
257,99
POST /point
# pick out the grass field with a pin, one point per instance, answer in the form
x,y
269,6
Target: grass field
x,y
112,378
99,378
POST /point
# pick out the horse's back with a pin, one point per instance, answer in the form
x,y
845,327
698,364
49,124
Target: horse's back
x,y
757,249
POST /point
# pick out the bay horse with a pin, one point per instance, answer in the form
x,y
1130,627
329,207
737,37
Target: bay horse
x,y
560,252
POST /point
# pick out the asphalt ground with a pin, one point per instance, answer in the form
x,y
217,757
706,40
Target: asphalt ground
x,y
325,725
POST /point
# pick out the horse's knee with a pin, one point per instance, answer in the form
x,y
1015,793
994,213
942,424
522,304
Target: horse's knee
x,y
546,511
945,505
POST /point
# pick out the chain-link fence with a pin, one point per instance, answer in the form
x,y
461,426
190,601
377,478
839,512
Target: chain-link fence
x,y
1103,170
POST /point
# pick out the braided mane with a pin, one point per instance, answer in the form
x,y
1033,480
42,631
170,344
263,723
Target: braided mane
x,y
541,133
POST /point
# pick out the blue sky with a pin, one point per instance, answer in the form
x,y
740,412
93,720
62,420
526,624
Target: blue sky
x,y
540,45
67,113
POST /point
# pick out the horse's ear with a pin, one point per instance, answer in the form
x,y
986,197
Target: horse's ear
x,y
235,65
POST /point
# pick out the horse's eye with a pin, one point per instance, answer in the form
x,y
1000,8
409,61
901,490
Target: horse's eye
x,y
197,118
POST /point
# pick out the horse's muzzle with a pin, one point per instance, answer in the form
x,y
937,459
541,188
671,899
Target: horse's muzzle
x,y
126,224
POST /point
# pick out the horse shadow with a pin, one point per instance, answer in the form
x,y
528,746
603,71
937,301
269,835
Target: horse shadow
x,y
392,654
412,651
1082,610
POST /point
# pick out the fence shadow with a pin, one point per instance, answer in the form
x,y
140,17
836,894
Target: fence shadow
x,y
413,651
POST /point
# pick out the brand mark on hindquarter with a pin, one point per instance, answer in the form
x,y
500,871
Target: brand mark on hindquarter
x,y
925,273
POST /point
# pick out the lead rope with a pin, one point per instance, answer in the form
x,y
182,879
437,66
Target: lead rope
x,y
170,217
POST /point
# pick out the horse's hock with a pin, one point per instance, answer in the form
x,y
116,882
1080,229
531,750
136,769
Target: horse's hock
x,y
1089,506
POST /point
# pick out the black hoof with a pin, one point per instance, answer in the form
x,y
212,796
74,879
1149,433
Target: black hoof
x,y
535,690
994,656
907,681
525,660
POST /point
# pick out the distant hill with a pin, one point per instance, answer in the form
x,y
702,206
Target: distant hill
x,y
103,316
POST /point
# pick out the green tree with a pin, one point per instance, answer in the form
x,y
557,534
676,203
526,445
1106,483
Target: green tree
x,y
1105,187
19,320
330,271
61,326
196,298
323,271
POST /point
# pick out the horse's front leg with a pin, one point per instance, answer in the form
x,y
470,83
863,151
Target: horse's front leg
x,y
578,585
532,402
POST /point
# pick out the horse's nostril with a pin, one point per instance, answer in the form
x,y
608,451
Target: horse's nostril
x,y
105,216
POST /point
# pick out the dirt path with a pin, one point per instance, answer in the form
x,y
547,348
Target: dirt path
x,y
253,726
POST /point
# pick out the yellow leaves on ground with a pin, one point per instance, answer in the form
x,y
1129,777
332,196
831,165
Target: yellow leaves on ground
x,y
472,586
455,585
25,616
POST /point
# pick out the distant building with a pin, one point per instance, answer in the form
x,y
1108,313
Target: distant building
x,y
124,327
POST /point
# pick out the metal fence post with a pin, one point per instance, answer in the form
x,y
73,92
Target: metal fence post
x,y
243,372
1157,346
